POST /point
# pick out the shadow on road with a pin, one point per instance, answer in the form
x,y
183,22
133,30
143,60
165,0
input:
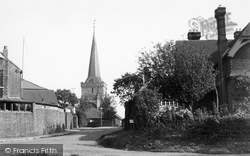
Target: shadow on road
x,y
92,134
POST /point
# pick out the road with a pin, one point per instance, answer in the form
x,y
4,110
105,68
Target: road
x,y
82,142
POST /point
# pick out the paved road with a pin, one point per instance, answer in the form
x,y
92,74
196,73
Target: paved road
x,y
82,142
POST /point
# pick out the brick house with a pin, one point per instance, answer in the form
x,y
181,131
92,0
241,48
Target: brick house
x,y
232,57
29,110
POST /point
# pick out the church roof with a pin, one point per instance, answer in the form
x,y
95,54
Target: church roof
x,y
94,69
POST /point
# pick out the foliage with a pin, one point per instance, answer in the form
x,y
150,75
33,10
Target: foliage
x,y
82,118
126,86
85,104
80,111
146,107
65,97
215,127
241,85
183,74
241,92
108,108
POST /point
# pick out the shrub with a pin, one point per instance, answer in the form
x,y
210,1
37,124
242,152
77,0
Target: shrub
x,y
211,127
146,106
82,118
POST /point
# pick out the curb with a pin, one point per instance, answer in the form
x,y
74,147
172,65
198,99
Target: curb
x,y
6,140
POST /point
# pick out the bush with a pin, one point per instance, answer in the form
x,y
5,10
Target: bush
x,y
211,127
146,107
82,118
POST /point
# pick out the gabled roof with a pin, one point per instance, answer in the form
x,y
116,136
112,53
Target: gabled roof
x,y
2,56
208,46
33,92
242,39
30,85
40,96
118,116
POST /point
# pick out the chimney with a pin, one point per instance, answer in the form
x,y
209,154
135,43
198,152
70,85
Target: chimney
x,y
5,73
236,33
5,52
222,46
194,34
221,28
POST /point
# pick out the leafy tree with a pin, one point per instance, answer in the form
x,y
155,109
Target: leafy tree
x,y
85,104
183,73
126,86
108,108
82,118
146,106
65,97
80,111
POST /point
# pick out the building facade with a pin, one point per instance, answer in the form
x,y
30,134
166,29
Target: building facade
x,y
27,109
230,57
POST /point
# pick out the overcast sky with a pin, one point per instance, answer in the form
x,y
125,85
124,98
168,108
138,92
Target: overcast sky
x,y
58,34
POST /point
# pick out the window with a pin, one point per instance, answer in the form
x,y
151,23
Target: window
x,y
1,106
15,106
8,106
22,107
29,107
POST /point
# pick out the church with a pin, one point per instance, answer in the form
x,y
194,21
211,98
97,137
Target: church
x,y
94,89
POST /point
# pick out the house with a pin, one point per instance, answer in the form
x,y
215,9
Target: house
x,y
29,110
230,57
118,120
38,94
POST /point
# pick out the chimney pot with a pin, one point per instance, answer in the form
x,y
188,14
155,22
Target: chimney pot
x,y
194,34
220,12
236,33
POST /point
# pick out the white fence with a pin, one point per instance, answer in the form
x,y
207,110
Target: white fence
x,y
168,104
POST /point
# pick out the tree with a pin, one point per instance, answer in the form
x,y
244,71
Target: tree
x,y
126,86
108,108
65,97
80,111
146,106
183,73
85,104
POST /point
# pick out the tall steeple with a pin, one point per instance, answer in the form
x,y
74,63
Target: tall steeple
x,y
94,89
94,69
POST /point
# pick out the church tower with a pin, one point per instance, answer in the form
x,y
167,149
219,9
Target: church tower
x,y
94,89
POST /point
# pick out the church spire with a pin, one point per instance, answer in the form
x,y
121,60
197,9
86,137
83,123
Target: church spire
x,y
94,70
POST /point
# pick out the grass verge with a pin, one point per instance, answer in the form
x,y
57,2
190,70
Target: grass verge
x,y
142,141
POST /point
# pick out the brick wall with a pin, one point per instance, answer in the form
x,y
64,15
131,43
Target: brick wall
x,y
43,120
48,119
68,121
14,124
14,81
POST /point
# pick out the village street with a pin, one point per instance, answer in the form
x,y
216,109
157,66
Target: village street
x,y
82,142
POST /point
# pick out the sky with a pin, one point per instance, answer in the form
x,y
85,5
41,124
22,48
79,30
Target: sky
x,y
56,35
